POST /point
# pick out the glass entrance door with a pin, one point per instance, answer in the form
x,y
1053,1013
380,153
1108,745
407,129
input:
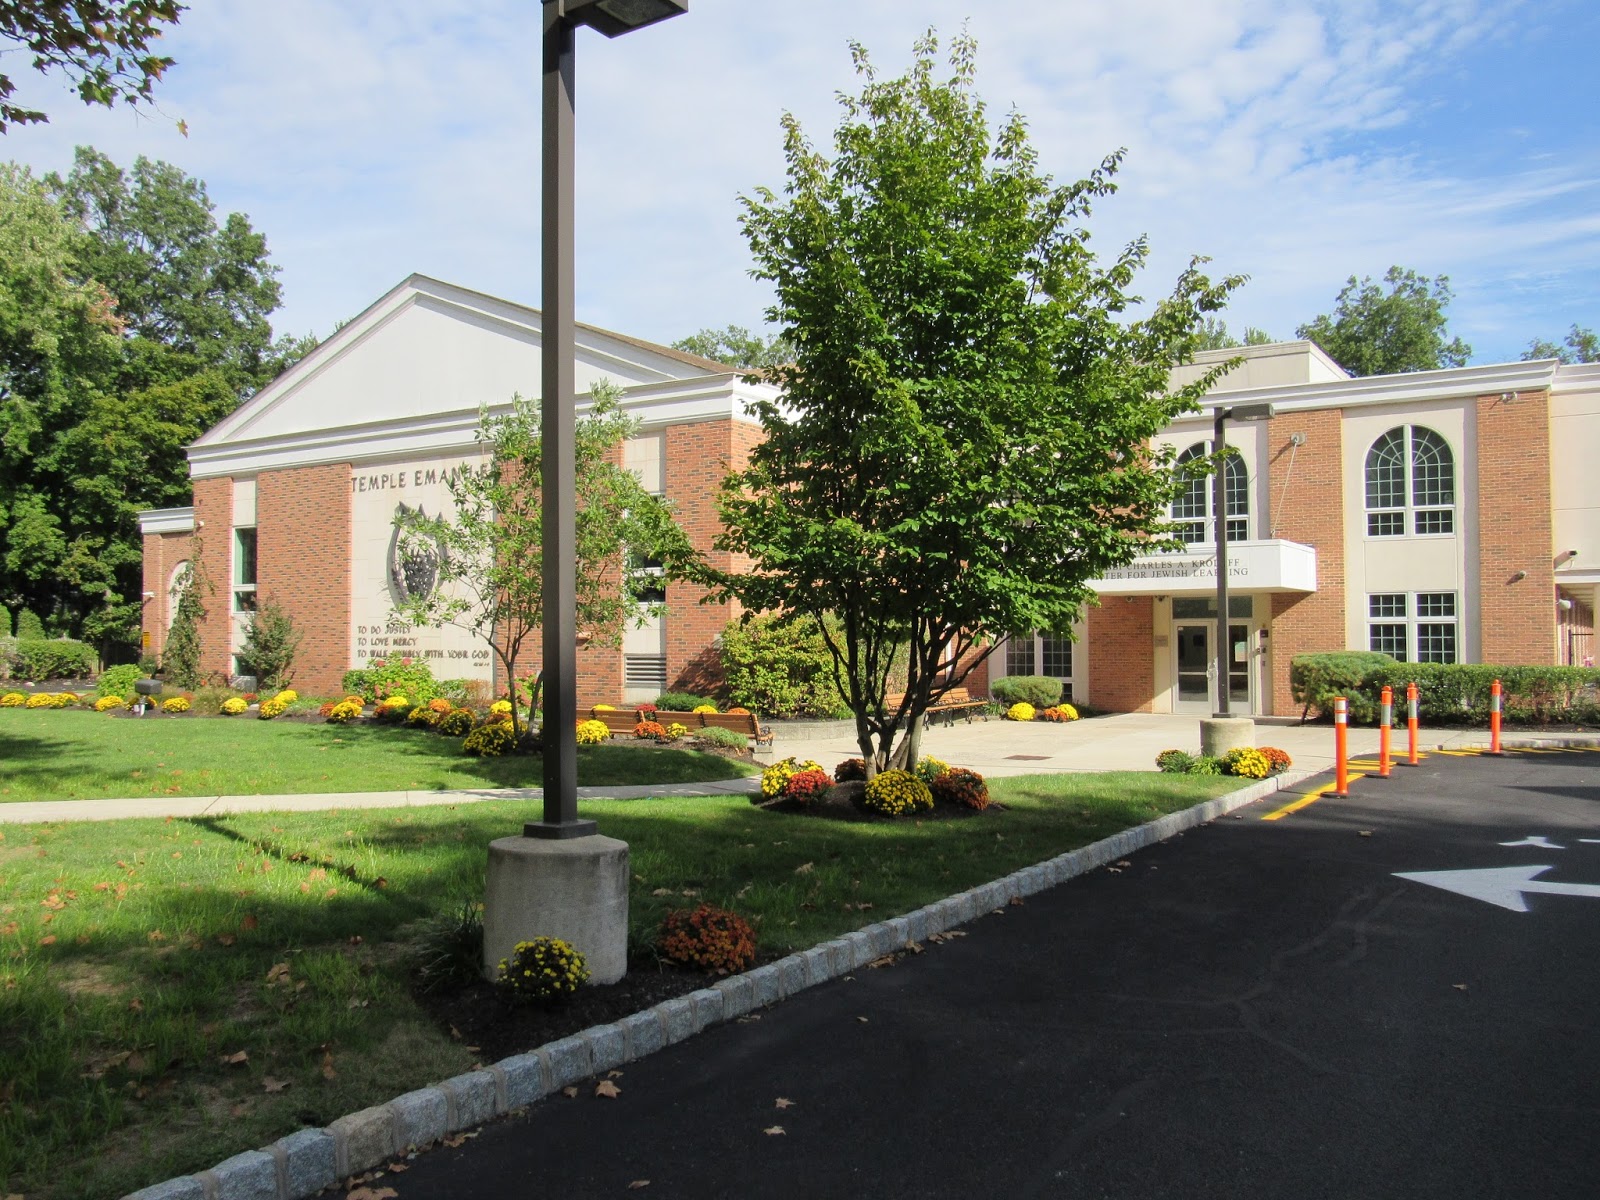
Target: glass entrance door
x,y
1197,669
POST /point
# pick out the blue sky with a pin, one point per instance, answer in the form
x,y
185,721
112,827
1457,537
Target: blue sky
x,y
1296,141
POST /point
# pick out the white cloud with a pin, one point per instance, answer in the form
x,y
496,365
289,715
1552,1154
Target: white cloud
x,y
368,140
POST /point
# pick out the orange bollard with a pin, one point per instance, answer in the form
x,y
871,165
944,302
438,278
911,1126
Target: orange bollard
x,y
1341,747
1385,721
1411,722
1494,720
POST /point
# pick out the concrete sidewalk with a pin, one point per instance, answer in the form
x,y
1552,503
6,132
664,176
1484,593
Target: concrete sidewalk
x,y
1119,742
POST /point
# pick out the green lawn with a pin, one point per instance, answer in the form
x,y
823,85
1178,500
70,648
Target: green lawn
x,y
74,755
138,958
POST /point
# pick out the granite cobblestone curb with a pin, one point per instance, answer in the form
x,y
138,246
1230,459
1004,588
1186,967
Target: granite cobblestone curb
x,y
310,1160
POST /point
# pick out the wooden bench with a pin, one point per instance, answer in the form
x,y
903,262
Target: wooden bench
x,y
957,702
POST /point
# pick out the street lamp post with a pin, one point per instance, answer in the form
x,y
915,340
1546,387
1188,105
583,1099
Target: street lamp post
x,y
558,394
561,878
1219,493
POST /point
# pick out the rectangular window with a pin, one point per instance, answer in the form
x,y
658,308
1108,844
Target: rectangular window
x,y
1386,524
244,570
1435,520
1056,652
1048,654
1414,628
1019,654
1192,608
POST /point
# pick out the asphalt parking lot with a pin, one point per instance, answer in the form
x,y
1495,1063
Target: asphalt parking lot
x,y
1259,1008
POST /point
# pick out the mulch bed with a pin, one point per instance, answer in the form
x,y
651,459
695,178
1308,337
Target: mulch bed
x,y
481,1016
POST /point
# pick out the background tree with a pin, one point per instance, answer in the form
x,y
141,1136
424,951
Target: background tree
x,y
130,323
103,46
1214,335
489,551
59,348
738,347
965,438
1580,346
1378,332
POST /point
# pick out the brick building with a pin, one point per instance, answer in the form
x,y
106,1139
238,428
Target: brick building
x,y
1443,515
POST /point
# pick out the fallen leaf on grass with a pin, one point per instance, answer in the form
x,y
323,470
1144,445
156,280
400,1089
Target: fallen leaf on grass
x,y
773,1130
354,1003
226,939
662,892
239,1110
570,1092
136,1005
455,1033
803,869
248,923
366,1193
270,1085
781,1102
48,940
607,1089
279,971
327,1067
236,1058
637,1184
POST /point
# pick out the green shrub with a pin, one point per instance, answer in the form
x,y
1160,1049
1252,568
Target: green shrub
x,y
681,702
780,666
1175,762
1315,679
29,627
713,736
1038,690
6,628
270,644
457,690
1455,693
1207,764
447,950
397,675
56,658
118,681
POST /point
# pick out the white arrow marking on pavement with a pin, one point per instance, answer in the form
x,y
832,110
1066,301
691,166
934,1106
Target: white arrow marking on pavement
x,y
1504,886
1536,839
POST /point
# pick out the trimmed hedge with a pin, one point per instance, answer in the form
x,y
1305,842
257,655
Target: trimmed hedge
x,y
1449,693
55,658
1038,690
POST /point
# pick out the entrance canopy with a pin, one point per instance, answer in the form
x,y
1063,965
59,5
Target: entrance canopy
x,y
1273,565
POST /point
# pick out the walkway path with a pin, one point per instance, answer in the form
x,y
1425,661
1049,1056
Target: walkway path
x,y
1120,742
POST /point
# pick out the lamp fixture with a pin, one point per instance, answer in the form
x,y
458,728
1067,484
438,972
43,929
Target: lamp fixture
x,y
617,17
1519,577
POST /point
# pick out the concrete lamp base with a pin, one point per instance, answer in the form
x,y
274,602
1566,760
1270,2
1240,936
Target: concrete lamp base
x,y
1218,735
575,889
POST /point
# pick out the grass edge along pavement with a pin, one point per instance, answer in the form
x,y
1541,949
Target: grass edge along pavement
x,y
311,1160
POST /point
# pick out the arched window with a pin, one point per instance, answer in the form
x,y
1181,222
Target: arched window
x,y
1410,470
1192,510
175,583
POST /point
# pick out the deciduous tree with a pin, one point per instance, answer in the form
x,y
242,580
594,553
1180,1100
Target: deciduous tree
x,y
965,439
1377,332
103,46
738,347
1579,346
489,551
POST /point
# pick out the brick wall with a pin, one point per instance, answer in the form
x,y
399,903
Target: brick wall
x,y
1309,510
303,564
697,458
162,554
1516,616
1120,634
213,515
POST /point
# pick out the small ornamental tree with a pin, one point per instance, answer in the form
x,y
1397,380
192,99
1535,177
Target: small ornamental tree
x,y
180,657
270,644
965,441
489,551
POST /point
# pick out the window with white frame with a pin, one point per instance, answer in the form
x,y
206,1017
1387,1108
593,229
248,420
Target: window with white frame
x,y
1194,509
1411,484
1414,626
1048,654
244,570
